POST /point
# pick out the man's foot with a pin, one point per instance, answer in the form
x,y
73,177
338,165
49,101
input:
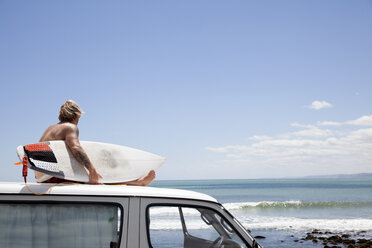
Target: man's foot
x,y
143,181
146,180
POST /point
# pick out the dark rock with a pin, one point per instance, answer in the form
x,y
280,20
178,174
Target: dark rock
x,y
335,239
260,237
364,246
309,236
364,243
348,242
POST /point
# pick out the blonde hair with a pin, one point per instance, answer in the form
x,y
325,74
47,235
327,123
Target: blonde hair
x,y
69,111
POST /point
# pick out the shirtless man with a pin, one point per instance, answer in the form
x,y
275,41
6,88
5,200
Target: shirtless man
x,y
68,131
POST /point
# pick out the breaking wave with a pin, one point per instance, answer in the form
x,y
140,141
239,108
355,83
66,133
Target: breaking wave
x,y
292,223
293,204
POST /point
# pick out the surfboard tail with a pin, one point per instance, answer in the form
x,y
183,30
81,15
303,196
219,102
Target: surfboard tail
x,y
40,158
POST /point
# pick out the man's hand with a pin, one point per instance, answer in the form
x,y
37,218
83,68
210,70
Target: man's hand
x,y
94,176
73,143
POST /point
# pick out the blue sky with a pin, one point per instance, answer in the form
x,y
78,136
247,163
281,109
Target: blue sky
x,y
223,89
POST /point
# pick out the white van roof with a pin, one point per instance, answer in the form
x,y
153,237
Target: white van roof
x,y
101,190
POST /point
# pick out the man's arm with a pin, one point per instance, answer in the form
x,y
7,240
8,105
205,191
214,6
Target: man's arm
x,y
73,143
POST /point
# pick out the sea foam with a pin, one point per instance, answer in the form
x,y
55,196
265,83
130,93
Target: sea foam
x,y
293,204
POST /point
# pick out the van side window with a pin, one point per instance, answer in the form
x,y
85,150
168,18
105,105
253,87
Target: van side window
x,y
59,225
190,227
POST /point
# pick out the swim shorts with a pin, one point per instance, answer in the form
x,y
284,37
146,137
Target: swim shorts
x,y
58,180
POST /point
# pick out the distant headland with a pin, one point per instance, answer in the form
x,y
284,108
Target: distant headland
x,y
356,176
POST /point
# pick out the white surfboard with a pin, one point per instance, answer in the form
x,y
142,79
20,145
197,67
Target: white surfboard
x,y
115,163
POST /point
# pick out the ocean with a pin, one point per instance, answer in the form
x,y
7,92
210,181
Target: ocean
x,y
284,211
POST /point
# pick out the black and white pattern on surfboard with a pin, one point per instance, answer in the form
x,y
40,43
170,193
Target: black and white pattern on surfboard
x,y
46,156
46,166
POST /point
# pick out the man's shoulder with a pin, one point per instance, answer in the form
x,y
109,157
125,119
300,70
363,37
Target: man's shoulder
x,y
68,126
59,131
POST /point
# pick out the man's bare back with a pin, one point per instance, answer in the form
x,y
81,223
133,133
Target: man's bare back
x,y
54,132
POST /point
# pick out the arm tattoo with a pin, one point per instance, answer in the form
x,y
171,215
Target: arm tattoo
x,y
82,158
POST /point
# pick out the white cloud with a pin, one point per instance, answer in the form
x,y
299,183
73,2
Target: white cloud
x,y
259,137
217,149
309,130
329,123
296,124
314,132
320,105
365,120
362,121
346,150
352,143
